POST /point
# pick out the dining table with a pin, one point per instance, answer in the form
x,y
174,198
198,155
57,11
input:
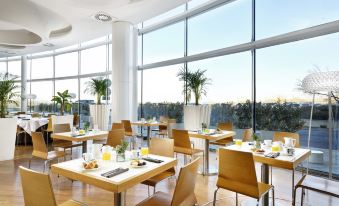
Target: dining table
x,y
148,125
211,135
118,184
90,135
29,124
289,162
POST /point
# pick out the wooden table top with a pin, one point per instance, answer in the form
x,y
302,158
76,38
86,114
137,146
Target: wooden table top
x,y
282,161
88,136
212,136
148,124
73,170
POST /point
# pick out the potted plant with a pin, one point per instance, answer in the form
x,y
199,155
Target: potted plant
x,y
7,125
63,98
257,140
98,112
195,83
120,150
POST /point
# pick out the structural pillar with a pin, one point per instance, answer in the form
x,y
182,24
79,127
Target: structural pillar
x,y
23,83
124,71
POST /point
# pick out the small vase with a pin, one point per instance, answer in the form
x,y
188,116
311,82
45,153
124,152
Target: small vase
x,y
258,144
121,157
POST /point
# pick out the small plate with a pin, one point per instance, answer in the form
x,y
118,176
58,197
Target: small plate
x,y
133,166
89,170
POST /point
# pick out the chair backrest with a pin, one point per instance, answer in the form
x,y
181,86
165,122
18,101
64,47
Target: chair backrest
x,y
66,119
116,125
247,135
39,147
228,126
162,127
237,172
184,189
76,119
181,138
59,128
279,136
37,188
50,125
34,115
18,113
51,114
162,147
163,119
115,137
127,125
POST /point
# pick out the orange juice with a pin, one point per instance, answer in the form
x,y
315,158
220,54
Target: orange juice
x,y
275,148
144,151
106,156
238,142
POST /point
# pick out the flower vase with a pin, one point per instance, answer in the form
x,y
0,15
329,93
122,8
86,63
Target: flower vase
x,y
121,157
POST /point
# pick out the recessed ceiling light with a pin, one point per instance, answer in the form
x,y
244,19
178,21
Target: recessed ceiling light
x,y
102,17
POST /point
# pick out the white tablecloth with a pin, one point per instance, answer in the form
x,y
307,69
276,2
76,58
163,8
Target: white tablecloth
x,y
32,125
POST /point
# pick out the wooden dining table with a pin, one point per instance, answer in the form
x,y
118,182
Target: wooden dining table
x,y
118,184
282,161
148,125
91,135
207,137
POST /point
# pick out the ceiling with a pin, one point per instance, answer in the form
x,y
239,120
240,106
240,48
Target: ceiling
x,y
27,26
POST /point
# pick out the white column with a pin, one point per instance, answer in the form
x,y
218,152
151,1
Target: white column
x,y
23,83
124,71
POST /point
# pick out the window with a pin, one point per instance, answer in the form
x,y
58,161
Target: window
x,y
72,86
93,60
278,17
44,92
14,68
229,91
94,41
3,67
42,68
196,3
224,26
163,44
85,100
66,64
165,15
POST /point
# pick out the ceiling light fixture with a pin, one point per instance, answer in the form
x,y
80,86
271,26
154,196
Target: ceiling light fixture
x,y
102,17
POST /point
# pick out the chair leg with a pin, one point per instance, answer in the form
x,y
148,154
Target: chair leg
x,y
185,159
271,174
215,196
148,191
302,196
45,164
236,199
154,190
29,163
273,196
294,195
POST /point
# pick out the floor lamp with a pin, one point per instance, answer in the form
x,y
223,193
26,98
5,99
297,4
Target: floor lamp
x,y
322,83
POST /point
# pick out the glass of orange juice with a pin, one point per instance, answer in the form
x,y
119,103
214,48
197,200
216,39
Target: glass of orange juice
x,y
144,151
106,156
238,142
275,148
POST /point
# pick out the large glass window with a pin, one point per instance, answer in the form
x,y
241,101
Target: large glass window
x,y
224,26
72,86
93,60
66,64
170,13
85,100
165,43
282,106
42,68
278,17
3,67
14,68
44,92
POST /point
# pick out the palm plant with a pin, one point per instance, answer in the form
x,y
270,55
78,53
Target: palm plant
x,y
63,98
98,87
195,82
7,93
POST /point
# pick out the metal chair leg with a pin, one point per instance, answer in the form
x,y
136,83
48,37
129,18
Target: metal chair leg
x,y
271,174
273,196
29,163
45,163
215,196
154,190
148,191
302,196
236,199
294,195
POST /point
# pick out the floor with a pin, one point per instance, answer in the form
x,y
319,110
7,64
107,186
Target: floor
x,y
11,194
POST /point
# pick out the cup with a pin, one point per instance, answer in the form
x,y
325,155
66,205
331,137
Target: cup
x,y
87,157
289,151
238,142
106,152
276,146
268,142
143,120
144,151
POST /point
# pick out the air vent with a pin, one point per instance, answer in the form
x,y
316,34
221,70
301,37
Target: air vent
x,y
102,17
49,44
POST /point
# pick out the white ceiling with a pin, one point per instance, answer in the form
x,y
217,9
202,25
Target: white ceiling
x,y
25,25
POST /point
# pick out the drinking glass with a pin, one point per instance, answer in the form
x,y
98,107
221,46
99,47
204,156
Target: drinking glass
x,y
275,148
238,142
144,151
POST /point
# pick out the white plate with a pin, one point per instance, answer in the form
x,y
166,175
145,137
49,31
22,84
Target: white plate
x,y
134,166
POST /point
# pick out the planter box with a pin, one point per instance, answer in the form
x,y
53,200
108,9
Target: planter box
x,y
99,115
7,138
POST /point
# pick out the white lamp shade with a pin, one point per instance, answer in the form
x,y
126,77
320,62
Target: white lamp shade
x,y
321,82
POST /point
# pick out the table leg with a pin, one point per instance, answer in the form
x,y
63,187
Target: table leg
x,y
206,167
119,199
148,135
265,174
84,146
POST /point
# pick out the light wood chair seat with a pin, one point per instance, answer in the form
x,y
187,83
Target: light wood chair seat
x,y
222,142
50,155
183,192
64,144
158,178
317,184
227,126
187,151
72,203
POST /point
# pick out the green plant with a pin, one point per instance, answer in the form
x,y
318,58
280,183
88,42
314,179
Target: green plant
x,y
256,137
86,126
7,93
195,82
98,87
63,98
120,149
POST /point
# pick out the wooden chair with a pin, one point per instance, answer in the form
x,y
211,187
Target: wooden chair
x,y
40,150
129,132
36,115
19,131
161,147
49,130
76,120
115,137
18,113
162,129
237,174
116,125
37,189
64,144
247,135
316,184
183,192
228,126
183,145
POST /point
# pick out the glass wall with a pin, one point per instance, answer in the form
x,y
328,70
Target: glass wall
x,y
3,67
44,92
66,64
93,60
42,68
